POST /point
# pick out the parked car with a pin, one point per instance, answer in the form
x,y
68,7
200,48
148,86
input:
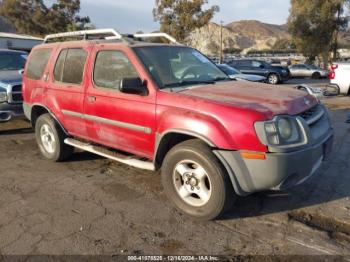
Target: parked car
x,y
274,74
233,73
339,77
303,70
212,138
11,68
348,120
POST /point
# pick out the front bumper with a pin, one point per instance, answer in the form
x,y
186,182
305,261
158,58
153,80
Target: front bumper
x,y
9,111
279,171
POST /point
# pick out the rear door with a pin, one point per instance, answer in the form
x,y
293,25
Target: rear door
x,y
258,68
115,119
246,67
65,94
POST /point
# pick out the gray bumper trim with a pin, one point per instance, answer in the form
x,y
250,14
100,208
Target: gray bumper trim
x,y
279,171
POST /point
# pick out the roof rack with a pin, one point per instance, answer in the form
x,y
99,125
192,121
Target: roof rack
x,y
86,33
108,34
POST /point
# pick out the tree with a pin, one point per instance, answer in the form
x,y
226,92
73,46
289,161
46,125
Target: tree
x,y
313,24
180,17
283,44
35,18
341,24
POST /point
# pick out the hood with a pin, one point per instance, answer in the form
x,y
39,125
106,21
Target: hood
x,y
10,77
266,99
253,78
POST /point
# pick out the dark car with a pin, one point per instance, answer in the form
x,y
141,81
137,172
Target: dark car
x,y
274,74
11,67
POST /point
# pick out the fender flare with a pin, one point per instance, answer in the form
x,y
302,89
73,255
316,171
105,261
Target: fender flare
x,y
50,112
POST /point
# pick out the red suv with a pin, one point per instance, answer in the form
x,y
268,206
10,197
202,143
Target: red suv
x,y
167,106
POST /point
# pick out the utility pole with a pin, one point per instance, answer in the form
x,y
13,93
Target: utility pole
x,y
221,43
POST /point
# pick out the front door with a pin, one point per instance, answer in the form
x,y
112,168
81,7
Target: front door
x,y
115,119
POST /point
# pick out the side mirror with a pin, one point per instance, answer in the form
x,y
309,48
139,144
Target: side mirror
x,y
261,66
133,86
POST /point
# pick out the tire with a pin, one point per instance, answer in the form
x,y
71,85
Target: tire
x,y
273,79
50,139
316,75
182,173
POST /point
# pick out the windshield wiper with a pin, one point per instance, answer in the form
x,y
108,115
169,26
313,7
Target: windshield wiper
x,y
187,83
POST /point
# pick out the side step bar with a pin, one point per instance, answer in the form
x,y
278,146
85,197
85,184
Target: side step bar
x,y
98,150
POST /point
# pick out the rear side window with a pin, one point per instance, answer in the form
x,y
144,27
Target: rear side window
x,y
37,63
70,66
111,67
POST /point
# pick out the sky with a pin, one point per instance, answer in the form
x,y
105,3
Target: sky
x,y
130,16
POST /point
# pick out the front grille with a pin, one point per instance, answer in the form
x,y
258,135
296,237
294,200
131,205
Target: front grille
x,y
17,98
15,95
312,115
17,88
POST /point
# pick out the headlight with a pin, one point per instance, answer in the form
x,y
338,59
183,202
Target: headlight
x,y
282,132
3,97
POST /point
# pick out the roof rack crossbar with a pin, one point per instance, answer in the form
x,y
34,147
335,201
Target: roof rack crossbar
x,y
85,34
109,34
154,35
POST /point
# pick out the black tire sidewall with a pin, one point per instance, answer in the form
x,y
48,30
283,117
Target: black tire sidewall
x,y
47,119
316,75
219,194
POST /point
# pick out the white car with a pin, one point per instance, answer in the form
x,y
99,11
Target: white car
x,y
339,77
303,70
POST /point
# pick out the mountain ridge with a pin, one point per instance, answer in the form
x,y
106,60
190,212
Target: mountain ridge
x,y
242,35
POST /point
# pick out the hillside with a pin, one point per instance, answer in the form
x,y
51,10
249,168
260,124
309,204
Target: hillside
x,y
256,29
245,35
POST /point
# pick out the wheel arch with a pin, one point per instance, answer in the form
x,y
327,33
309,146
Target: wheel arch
x,y
37,110
166,141
174,137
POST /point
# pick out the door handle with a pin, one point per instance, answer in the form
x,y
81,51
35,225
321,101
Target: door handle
x,y
91,99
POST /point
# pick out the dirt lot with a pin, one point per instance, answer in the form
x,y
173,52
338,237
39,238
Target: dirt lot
x,y
90,205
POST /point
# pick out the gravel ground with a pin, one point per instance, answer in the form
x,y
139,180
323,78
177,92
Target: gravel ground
x,y
90,206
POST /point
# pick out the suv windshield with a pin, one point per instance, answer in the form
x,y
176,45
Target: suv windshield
x,y
12,61
175,66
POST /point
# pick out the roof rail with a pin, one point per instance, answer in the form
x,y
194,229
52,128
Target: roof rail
x,y
154,35
86,33
109,34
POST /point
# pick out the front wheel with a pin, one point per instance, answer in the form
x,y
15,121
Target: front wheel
x,y
273,79
195,181
50,139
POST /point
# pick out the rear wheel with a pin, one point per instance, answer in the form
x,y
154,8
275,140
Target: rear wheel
x,y
273,79
195,181
50,139
316,75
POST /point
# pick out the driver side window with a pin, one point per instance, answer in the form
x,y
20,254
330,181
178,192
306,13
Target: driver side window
x,y
111,67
